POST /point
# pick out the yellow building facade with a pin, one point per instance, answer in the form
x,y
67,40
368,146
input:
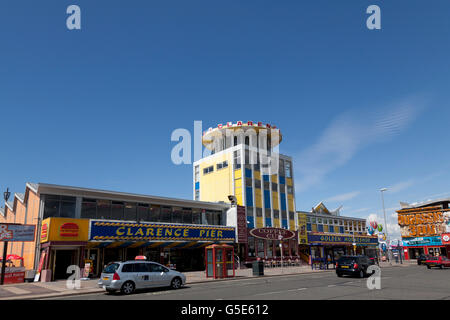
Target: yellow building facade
x,y
236,167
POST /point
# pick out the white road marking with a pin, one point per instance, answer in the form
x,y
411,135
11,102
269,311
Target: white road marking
x,y
16,290
274,292
331,285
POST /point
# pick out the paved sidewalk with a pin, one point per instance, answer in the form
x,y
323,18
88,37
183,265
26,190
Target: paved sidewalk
x,y
38,290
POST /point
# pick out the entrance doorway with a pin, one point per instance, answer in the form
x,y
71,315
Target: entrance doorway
x,y
63,259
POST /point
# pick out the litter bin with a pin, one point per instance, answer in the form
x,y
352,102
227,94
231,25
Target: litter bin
x,y
258,268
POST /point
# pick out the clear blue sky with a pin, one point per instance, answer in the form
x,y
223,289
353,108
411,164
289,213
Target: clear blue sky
x,y
358,109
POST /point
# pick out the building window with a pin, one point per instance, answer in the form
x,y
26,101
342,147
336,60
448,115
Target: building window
x,y
104,209
187,215
274,186
166,214
208,170
89,209
154,213
197,195
197,174
260,248
117,209
59,206
290,190
257,184
251,246
268,213
177,215
258,212
222,165
291,215
276,214
288,169
196,216
143,212
237,159
269,248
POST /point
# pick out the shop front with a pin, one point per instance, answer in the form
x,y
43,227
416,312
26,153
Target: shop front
x,y
328,248
414,247
66,242
63,243
271,244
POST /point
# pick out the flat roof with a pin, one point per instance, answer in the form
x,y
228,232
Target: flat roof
x,y
45,188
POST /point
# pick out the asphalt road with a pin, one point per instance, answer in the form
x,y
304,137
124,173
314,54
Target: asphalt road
x,y
412,282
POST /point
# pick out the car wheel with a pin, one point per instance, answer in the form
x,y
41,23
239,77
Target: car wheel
x,y
441,267
339,275
127,288
176,283
428,267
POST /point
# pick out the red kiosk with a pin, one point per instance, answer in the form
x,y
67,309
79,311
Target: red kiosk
x,y
219,261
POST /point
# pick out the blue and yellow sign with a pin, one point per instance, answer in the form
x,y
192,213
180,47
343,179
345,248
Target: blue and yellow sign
x,y
323,238
101,230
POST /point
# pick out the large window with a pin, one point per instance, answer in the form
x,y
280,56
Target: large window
x,y
196,216
208,170
59,206
260,248
288,169
166,214
103,209
142,212
197,173
89,209
130,211
269,248
177,215
117,210
155,213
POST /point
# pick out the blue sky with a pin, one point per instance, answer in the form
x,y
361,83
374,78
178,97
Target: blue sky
x,y
358,109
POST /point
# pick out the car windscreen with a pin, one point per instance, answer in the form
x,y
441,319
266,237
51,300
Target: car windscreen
x,y
111,268
346,260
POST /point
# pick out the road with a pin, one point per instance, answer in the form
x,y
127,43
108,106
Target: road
x,y
412,282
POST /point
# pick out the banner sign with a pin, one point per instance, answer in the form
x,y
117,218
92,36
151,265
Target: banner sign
x,y
101,230
16,232
241,225
423,241
427,222
272,233
342,239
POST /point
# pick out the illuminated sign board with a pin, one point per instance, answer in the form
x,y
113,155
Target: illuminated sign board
x,y
342,239
101,230
429,222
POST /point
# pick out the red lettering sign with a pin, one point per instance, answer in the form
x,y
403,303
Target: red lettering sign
x,y
241,225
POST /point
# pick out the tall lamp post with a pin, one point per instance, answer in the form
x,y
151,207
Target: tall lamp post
x,y
6,196
385,223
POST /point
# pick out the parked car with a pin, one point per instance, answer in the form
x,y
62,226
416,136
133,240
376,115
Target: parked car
x,y
439,262
131,275
353,265
422,258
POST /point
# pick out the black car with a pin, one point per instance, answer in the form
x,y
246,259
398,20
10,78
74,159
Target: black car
x,y
353,265
422,258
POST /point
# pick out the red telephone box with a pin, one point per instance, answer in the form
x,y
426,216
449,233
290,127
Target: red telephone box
x,y
219,261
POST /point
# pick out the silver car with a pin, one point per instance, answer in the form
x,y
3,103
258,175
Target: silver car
x,y
131,275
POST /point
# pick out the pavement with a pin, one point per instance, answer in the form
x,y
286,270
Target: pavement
x,y
59,289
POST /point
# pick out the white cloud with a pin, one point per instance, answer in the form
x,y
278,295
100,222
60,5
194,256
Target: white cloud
x,y
343,197
349,133
401,186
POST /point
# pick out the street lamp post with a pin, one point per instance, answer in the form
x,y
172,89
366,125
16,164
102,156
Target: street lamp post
x,y
385,223
6,195
280,237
